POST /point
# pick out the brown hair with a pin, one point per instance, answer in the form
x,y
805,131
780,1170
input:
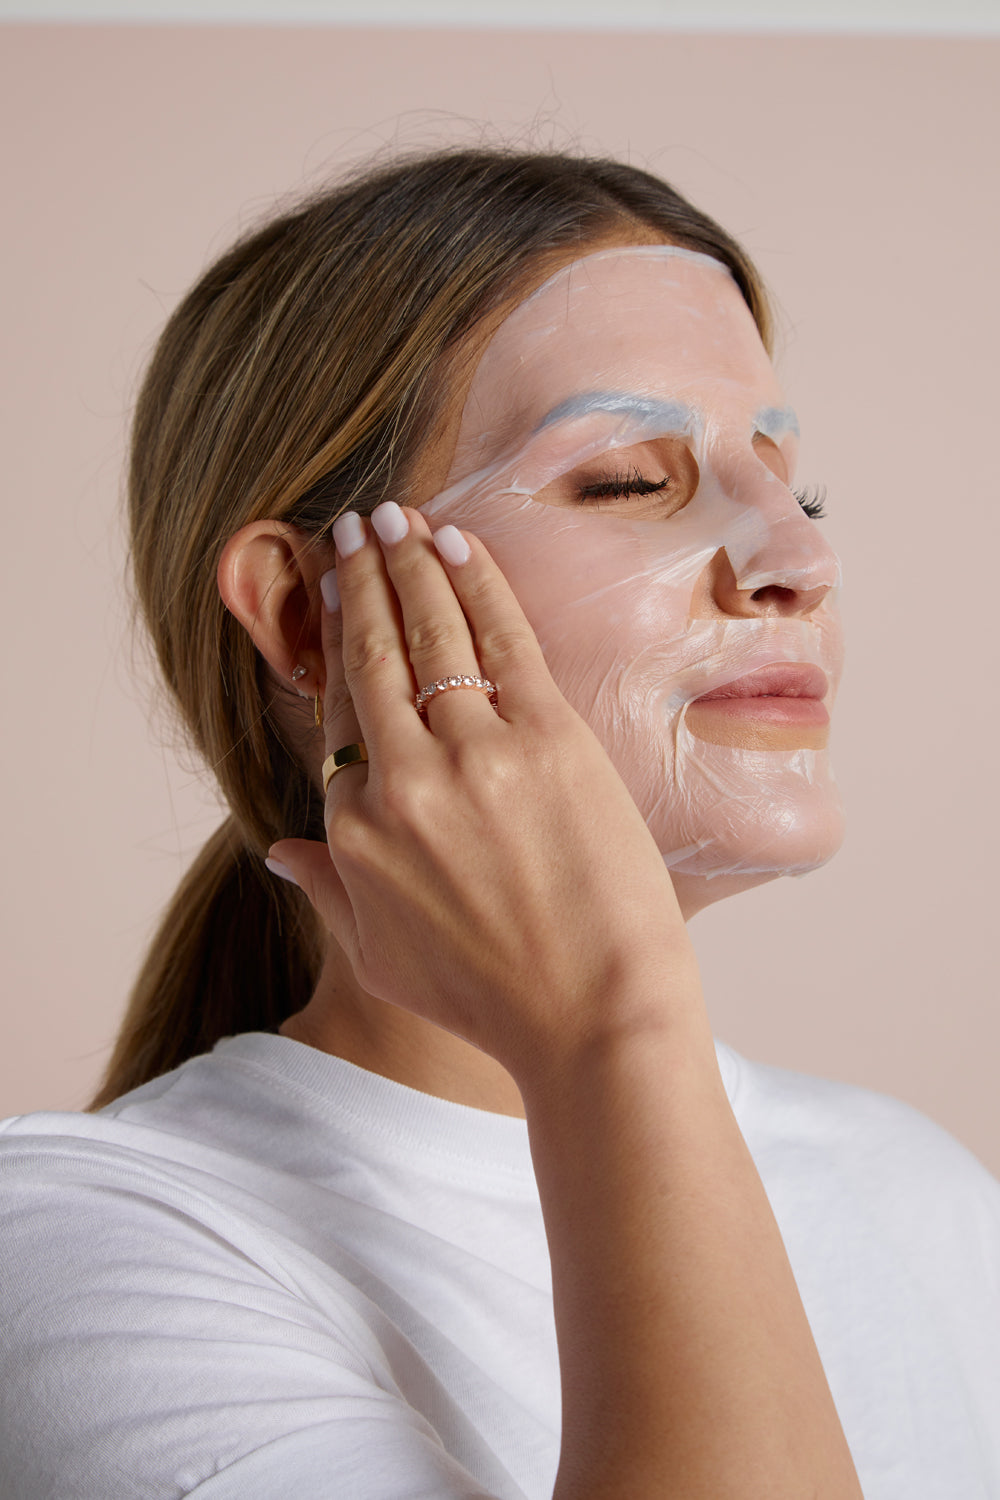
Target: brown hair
x,y
298,377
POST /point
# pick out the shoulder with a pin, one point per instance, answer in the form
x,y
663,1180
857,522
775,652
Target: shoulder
x,y
175,1189
783,1108
893,1232
835,1153
791,1118
165,1257
149,1278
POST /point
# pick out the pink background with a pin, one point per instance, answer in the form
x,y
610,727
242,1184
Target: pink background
x,y
862,176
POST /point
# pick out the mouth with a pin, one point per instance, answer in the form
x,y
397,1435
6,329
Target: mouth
x,y
789,693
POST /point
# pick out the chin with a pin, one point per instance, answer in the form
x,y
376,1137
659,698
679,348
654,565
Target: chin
x,y
748,842
778,820
731,817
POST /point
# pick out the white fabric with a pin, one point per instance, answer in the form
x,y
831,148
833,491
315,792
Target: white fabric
x,y
272,1273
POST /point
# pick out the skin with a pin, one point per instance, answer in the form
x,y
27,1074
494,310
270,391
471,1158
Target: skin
x,y
269,577
645,365
552,975
564,958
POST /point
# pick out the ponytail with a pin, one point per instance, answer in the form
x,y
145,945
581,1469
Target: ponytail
x,y
236,950
303,374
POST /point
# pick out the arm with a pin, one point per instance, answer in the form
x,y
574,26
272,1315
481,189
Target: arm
x,y
688,1367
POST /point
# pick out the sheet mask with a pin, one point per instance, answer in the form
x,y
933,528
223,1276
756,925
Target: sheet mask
x,y
655,346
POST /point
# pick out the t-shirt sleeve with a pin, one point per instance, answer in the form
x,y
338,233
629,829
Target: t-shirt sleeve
x,y
147,1352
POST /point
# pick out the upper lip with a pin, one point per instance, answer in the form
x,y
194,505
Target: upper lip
x,y
786,680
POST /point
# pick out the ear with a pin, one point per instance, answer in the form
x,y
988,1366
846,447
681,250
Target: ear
x,y
268,577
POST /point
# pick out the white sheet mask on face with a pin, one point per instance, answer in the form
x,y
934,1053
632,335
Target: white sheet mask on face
x,y
628,368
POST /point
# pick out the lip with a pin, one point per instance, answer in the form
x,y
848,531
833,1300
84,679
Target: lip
x,y
786,693
791,679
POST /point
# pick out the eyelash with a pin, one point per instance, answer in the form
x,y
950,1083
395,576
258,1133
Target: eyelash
x,y
621,486
812,500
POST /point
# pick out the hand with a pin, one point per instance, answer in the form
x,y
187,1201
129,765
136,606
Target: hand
x,y
486,869
489,872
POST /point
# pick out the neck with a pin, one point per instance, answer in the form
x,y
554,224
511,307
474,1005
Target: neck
x,y
343,1019
347,1022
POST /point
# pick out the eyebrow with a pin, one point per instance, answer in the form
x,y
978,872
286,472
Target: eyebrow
x,y
775,421
672,416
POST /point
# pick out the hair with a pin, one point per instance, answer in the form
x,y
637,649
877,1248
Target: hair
x,y
301,376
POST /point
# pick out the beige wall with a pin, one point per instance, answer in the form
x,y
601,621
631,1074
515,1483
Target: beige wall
x,y
861,174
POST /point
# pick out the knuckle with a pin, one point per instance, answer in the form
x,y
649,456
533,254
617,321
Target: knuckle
x,y
407,563
478,585
337,701
432,636
403,800
347,833
486,756
366,650
485,763
503,643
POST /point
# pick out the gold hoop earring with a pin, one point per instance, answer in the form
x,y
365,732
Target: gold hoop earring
x,y
317,712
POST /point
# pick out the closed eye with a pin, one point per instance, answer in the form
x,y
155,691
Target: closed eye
x,y
812,500
621,486
649,481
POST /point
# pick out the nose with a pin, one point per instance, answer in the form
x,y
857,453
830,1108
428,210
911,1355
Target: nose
x,y
775,561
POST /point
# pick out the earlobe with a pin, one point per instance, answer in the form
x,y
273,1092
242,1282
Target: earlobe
x,y
265,578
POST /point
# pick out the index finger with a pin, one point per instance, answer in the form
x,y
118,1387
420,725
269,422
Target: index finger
x,y
366,640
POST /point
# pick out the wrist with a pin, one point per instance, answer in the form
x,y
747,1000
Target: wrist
x,y
646,1059
642,1013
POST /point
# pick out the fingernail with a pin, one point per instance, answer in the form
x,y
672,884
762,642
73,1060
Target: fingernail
x,y
452,545
348,533
282,871
389,522
328,588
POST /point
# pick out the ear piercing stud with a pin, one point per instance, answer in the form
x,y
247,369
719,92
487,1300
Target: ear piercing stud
x,y
298,672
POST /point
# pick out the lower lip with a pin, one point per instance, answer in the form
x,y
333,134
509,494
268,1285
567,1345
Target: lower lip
x,y
767,710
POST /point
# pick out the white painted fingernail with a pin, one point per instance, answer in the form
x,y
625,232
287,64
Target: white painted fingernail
x,y
328,588
348,533
282,871
389,522
452,545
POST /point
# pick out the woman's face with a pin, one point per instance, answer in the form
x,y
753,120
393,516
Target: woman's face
x,y
625,452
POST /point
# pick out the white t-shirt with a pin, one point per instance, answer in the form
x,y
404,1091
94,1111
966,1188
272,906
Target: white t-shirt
x,y
271,1273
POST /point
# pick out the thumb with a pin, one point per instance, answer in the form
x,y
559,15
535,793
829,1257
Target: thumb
x,y
308,865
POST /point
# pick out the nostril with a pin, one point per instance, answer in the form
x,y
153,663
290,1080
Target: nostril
x,y
774,593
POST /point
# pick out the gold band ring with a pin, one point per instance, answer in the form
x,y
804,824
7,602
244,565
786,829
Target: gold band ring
x,y
348,755
446,684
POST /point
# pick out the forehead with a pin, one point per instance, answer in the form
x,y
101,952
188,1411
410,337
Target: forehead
x,y
660,332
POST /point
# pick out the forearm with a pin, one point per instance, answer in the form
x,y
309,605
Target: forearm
x,y
688,1365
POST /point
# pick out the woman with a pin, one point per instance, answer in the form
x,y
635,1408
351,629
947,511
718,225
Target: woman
x,y
416,1171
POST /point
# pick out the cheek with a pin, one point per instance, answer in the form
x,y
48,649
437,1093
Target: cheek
x,y
611,603
611,620
616,628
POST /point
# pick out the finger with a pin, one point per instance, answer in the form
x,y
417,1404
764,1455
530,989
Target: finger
x,y
438,638
375,662
352,756
309,866
339,720
506,646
